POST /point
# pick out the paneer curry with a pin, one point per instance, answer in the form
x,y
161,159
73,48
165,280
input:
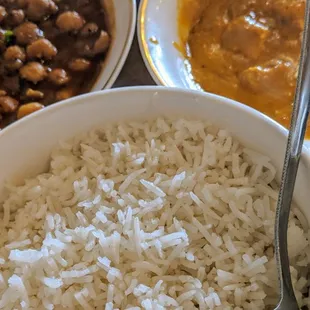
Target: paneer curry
x,y
247,50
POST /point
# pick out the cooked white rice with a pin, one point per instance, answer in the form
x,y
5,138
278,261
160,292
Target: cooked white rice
x,y
166,214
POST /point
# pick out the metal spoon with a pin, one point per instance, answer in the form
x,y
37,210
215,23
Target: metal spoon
x,y
292,157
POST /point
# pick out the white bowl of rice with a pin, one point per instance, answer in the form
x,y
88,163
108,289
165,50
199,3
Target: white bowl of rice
x,y
146,198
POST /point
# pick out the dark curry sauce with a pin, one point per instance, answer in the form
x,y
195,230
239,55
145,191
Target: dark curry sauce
x,y
49,51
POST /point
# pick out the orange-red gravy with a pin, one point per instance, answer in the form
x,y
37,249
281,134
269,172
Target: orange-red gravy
x,y
247,50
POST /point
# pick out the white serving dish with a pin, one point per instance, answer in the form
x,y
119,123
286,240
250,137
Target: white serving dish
x,y
25,149
158,34
125,12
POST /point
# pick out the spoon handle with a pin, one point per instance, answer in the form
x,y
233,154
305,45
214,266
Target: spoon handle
x,y
292,157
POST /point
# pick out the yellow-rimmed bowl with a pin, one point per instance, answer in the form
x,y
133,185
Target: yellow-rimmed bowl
x,y
159,41
158,37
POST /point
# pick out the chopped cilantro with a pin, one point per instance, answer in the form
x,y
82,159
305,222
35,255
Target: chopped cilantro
x,y
8,37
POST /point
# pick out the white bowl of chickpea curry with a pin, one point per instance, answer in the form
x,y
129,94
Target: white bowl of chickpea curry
x,y
51,50
244,50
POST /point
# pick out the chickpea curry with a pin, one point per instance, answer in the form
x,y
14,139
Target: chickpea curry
x,y
247,50
50,50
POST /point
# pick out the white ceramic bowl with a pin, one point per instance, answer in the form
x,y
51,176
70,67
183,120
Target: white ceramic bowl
x,y
125,12
26,145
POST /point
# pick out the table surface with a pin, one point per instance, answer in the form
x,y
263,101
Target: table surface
x,y
134,71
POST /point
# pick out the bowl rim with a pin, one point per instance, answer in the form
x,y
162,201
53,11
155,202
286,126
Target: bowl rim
x,y
100,83
143,45
70,103
77,100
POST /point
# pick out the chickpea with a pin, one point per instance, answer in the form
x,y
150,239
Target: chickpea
x,y
41,48
16,17
3,13
27,33
100,46
13,53
13,65
14,57
28,108
22,3
79,64
70,21
102,43
64,93
89,29
33,72
38,9
8,104
35,94
58,77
